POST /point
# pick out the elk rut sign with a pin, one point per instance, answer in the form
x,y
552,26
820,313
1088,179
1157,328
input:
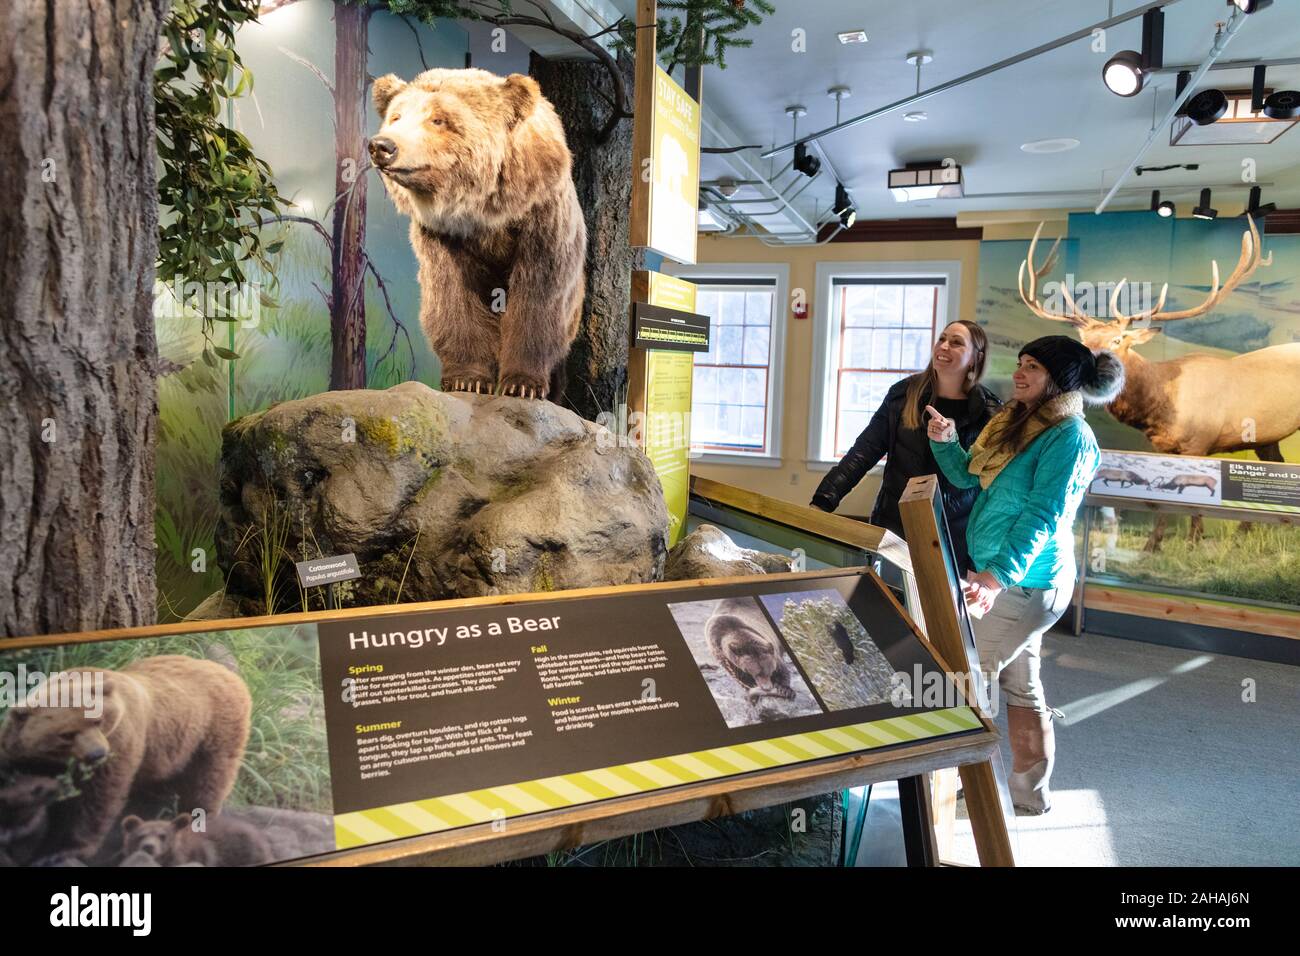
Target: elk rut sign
x,y
1197,404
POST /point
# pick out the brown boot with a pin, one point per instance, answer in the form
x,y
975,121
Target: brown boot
x,y
1033,751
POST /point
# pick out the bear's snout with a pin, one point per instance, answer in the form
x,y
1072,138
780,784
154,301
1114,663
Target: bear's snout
x,y
382,151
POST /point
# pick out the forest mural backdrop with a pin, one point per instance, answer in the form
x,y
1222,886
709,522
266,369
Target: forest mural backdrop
x,y
307,123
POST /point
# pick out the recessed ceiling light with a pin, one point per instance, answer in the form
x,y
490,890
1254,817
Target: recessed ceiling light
x,y
853,36
1059,145
916,116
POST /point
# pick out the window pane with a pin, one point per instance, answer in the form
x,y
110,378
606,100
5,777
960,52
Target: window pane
x,y
706,385
858,303
731,343
730,383
916,346
751,426
889,304
729,424
755,388
886,348
919,305
756,345
857,349
704,423
851,425
733,308
706,303
758,308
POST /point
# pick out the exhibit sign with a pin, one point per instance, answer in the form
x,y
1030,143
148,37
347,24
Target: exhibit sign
x,y
663,383
1233,483
356,729
666,154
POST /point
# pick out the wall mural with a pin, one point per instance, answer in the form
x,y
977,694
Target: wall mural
x,y
345,315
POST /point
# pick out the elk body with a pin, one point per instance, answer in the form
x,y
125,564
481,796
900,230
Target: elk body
x,y
1125,478
1197,404
1181,482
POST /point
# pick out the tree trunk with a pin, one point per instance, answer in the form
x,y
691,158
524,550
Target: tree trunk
x,y
597,367
78,362
348,284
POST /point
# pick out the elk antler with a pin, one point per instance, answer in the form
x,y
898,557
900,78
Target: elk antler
x,y
1250,260
1030,298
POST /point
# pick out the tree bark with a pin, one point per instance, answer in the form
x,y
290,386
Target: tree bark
x,y
348,283
78,361
596,370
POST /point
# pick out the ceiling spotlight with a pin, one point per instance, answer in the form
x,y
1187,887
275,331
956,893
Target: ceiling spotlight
x,y
1250,6
1162,209
1282,105
1253,208
1203,210
1123,74
844,207
1206,107
805,162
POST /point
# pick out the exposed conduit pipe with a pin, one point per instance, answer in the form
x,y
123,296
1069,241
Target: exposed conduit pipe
x,y
1051,45
1220,42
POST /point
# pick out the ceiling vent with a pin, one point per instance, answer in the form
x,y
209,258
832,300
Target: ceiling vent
x,y
926,181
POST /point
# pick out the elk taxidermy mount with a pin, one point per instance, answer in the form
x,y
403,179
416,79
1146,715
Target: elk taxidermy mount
x,y
1197,404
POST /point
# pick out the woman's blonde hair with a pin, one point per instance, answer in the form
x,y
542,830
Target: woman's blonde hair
x,y
923,384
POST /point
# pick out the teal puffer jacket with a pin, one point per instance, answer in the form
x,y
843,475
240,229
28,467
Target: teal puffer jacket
x,y
1020,528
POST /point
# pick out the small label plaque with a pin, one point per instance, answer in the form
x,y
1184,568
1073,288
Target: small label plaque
x,y
330,570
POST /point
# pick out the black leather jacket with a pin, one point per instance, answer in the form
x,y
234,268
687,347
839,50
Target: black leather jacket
x,y
908,451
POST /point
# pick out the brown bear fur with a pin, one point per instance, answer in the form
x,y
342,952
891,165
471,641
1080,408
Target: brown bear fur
x,y
25,801
743,643
170,721
480,165
175,842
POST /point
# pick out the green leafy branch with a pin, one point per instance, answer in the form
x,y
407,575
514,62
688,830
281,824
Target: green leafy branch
x,y
213,187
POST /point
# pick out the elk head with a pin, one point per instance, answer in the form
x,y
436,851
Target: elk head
x,y
1122,332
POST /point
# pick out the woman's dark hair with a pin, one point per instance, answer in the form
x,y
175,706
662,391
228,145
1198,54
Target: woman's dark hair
x,y
925,383
1011,435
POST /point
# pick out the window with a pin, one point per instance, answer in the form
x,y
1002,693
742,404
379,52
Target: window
x,y
735,393
729,400
875,327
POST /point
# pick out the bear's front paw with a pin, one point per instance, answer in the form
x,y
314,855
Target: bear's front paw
x,y
467,382
522,385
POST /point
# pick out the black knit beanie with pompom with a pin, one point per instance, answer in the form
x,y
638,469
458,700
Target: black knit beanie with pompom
x,y
1072,365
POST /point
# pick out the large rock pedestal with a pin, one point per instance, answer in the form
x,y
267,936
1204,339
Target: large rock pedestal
x,y
439,495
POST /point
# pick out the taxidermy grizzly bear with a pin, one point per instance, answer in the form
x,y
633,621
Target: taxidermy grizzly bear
x,y
480,165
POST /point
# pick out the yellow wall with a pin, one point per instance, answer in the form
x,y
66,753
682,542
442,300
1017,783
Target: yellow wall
x,y
794,480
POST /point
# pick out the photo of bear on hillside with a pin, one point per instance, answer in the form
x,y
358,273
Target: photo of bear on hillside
x,y
836,652
748,670
204,750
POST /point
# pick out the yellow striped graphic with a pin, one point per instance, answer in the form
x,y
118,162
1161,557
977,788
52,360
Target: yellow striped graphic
x,y
379,824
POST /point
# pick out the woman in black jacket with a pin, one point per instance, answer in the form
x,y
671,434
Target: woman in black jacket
x,y
951,384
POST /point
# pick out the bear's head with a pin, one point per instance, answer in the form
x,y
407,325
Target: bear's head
x,y
153,837
70,717
464,150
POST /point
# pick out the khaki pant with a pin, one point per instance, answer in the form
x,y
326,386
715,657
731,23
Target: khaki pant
x,y
1009,639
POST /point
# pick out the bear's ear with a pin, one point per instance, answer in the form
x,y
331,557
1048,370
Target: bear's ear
x,y
180,821
522,94
130,824
383,91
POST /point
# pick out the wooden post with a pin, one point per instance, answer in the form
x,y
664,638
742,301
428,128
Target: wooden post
x,y
939,592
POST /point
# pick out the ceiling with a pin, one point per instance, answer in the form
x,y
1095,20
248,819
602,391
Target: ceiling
x,y
983,123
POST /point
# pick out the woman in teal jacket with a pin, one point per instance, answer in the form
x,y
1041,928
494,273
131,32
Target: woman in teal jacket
x,y
1033,462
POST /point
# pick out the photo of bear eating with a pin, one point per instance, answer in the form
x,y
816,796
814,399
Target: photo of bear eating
x,y
480,165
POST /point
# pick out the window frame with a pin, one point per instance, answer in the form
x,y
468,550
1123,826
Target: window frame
x,y
779,275
824,394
